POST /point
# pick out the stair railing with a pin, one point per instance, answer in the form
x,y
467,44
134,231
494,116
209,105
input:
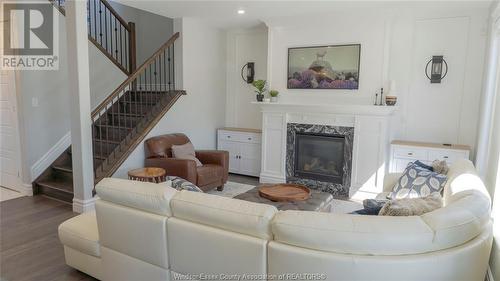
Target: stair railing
x,y
135,97
110,33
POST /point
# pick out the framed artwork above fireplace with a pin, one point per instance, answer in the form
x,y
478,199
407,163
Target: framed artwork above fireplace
x,y
324,67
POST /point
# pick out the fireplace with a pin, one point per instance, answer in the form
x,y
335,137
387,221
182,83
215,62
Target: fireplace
x,y
320,157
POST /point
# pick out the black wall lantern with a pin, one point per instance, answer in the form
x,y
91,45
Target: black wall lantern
x,y
436,69
250,72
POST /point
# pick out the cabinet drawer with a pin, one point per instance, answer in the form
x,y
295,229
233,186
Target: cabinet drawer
x,y
446,155
239,136
410,153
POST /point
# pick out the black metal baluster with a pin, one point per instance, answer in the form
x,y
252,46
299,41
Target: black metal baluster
x,y
137,98
100,22
95,21
150,85
111,32
121,46
173,64
169,71
106,27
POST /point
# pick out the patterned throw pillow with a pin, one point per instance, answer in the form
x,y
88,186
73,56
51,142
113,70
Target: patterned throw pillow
x,y
182,184
418,182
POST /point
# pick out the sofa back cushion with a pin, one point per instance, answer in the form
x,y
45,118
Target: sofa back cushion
x,y
353,234
161,146
225,213
145,196
462,181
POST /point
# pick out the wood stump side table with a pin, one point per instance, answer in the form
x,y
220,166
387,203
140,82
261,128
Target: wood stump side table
x,y
148,174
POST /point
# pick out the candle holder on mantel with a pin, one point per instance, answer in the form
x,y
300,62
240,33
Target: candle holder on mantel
x,y
381,96
379,102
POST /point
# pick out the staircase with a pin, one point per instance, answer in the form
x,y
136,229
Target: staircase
x,y
125,117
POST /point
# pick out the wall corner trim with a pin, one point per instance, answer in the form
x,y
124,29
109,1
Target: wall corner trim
x,y
48,158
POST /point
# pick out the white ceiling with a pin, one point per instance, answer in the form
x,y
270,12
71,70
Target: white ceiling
x,y
223,14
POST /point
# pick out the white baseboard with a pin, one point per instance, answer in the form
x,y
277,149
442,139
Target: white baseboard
x,y
27,189
489,275
48,158
83,206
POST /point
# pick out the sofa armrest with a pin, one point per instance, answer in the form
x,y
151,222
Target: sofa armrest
x,y
217,157
183,168
390,180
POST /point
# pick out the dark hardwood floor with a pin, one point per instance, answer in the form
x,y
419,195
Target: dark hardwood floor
x,y
29,244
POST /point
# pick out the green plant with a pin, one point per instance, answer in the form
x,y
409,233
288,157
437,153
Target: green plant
x,y
260,86
273,93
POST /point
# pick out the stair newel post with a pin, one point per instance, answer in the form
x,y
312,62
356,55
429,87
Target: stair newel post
x,y
132,49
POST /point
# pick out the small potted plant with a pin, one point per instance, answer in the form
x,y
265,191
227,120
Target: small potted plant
x,y
260,88
274,95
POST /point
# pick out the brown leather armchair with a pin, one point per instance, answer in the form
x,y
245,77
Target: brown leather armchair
x,y
213,173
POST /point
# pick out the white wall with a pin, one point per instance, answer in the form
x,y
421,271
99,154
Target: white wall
x,y
201,71
152,30
395,45
46,124
244,46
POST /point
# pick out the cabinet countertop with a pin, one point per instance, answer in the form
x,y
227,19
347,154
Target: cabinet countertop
x,y
431,145
245,130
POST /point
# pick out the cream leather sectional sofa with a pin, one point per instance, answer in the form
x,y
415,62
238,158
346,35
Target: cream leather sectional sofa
x,y
144,231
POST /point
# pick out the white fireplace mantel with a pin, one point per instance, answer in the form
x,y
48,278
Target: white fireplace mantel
x,y
350,109
370,148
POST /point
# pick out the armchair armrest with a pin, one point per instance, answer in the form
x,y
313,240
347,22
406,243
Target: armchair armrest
x,y
390,180
217,157
183,168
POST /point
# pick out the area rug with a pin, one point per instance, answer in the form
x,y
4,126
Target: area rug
x,y
232,189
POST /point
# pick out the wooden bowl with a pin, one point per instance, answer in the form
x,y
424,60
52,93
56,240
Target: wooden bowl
x,y
285,192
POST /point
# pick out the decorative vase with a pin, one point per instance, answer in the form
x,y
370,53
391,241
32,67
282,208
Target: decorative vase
x,y
260,98
274,99
391,100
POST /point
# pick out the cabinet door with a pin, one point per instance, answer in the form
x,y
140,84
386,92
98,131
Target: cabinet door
x,y
250,159
234,152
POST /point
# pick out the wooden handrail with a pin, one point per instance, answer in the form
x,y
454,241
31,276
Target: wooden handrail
x,y
134,75
115,13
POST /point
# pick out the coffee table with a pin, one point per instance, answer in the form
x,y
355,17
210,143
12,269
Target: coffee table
x,y
318,201
148,174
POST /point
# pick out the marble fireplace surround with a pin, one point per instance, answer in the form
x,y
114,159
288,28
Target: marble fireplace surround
x,y
338,190
370,147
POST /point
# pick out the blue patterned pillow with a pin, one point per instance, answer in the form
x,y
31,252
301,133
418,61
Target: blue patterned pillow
x,y
418,182
182,184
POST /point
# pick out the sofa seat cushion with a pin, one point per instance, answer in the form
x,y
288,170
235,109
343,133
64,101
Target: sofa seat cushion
x,y
229,214
209,173
81,233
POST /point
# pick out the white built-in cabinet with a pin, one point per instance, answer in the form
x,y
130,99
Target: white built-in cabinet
x,y
404,152
244,147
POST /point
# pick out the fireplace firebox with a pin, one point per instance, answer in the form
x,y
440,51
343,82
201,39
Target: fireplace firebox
x,y
319,157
